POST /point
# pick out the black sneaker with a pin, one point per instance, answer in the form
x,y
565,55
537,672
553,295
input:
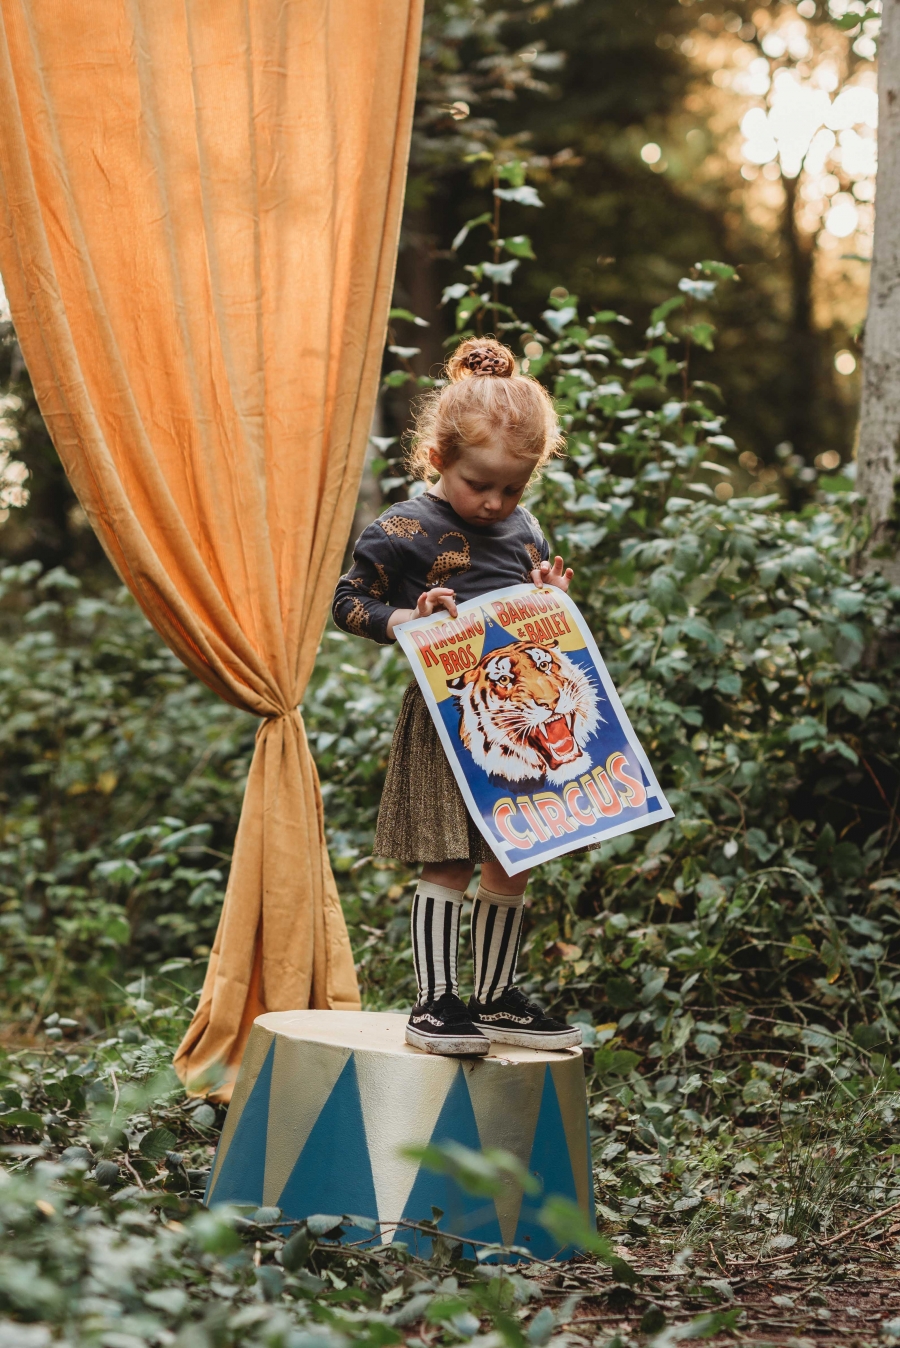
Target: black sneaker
x,y
443,1025
513,1019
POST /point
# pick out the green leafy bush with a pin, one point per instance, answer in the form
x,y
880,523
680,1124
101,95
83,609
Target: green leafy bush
x,y
757,667
105,1241
120,781
752,660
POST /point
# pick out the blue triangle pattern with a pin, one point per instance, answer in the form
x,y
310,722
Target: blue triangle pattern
x,y
495,636
241,1178
550,1164
464,1214
333,1173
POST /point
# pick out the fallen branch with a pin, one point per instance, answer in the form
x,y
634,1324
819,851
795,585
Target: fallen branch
x,y
867,1221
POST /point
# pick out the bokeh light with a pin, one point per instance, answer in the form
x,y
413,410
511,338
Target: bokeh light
x,y
804,122
845,362
829,460
651,153
842,219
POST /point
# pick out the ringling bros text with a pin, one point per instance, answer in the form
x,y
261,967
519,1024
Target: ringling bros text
x,y
535,617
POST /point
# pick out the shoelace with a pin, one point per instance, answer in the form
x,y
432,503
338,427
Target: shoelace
x,y
452,1009
516,997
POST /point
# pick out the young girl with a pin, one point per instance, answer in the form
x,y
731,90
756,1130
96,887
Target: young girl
x,y
480,439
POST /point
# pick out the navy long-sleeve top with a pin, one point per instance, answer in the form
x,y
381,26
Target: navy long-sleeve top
x,y
421,543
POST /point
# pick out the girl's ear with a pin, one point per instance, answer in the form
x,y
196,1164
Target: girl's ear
x,y
435,460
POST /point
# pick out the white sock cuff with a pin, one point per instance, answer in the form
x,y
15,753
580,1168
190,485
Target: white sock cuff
x,y
499,900
425,889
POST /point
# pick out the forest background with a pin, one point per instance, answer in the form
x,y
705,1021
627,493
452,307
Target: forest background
x,y
668,211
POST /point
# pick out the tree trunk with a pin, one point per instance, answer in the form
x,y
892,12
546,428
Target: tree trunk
x,y
879,430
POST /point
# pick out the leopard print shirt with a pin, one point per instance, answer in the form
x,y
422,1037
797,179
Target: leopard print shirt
x,y
422,543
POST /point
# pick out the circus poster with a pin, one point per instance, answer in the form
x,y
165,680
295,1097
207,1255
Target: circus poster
x,y
539,742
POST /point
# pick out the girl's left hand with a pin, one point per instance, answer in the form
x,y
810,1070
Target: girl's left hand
x,y
558,574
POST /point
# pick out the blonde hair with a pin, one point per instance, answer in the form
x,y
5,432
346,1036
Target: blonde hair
x,y
485,400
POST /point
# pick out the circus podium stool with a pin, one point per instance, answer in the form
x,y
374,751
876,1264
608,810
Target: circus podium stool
x,y
325,1101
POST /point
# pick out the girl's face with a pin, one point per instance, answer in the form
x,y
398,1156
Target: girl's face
x,y
484,483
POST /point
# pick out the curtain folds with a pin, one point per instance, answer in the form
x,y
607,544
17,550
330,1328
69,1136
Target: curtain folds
x,y
199,217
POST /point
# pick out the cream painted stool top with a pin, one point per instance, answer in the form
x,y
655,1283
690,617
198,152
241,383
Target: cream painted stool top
x,y
382,1032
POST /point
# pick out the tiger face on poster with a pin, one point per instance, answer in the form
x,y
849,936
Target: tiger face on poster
x,y
539,742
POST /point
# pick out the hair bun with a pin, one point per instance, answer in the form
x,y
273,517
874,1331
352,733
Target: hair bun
x,y
485,360
481,356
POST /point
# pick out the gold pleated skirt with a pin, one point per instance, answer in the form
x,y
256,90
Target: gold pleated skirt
x,y
423,816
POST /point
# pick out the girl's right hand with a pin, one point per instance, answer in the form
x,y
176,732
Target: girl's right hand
x,y
429,600
439,597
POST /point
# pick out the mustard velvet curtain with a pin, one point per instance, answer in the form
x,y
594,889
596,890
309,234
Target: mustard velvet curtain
x,y
199,218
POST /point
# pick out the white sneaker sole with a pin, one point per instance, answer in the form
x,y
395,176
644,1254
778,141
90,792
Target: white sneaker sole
x,y
465,1046
524,1039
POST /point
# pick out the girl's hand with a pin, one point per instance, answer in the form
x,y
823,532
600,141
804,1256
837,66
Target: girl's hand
x,y
558,574
439,597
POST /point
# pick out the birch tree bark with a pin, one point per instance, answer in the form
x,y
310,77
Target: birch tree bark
x,y
879,429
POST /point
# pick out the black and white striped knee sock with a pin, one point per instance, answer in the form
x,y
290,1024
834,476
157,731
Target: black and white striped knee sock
x,y
496,931
435,939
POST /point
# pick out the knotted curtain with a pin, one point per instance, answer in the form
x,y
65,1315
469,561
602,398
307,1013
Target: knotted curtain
x,y
200,210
